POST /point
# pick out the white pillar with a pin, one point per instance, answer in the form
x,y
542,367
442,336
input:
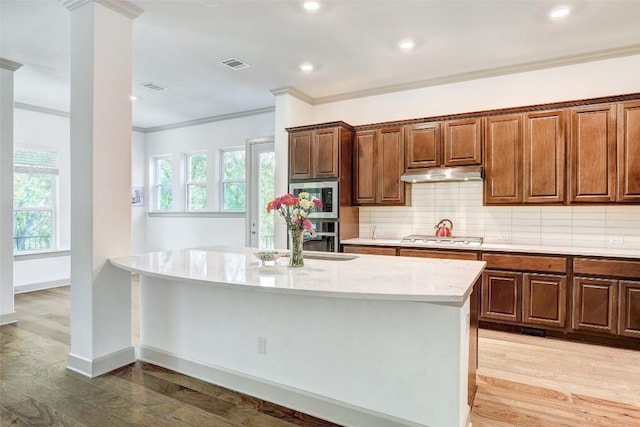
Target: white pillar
x,y
7,68
101,46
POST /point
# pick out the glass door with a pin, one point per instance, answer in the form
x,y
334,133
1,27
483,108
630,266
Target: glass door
x,y
261,171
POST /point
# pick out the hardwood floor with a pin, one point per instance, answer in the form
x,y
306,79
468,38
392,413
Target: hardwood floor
x,y
522,381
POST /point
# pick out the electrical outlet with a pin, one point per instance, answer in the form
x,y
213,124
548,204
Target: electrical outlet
x,y
504,236
262,345
616,240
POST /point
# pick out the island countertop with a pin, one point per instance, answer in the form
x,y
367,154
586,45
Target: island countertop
x,y
328,275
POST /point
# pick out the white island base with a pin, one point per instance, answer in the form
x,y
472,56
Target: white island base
x,y
355,358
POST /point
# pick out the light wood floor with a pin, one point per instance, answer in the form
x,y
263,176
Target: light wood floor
x,y
523,381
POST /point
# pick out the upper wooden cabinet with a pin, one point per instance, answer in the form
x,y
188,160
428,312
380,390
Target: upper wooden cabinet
x,y
462,142
503,159
592,165
629,152
423,145
320,151
379,164
525,158
450,143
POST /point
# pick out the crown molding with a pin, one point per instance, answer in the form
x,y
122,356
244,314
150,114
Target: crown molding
x,y
123,7
219,118
295,93
38,109
593,56
7,64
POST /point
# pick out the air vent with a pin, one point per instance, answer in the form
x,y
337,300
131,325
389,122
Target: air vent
x,y
234,64
153,86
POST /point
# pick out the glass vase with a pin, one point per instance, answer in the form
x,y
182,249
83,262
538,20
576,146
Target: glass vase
x,y
296,259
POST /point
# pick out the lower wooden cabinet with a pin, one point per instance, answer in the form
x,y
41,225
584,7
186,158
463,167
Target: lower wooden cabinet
x,y
501,296
629,309
436,253
594,305
370,250
544,300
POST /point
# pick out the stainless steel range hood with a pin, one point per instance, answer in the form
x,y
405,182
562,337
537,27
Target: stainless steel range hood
x,y
447,174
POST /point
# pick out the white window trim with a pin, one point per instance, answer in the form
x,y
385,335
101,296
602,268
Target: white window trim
x,y
189,183
156,186
54,172
230,181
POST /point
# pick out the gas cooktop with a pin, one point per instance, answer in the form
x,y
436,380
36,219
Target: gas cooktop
x,y
435,240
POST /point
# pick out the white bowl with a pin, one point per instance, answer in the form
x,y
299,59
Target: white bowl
x,y
267,255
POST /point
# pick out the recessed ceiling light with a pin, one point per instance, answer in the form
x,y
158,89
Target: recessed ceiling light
x,y
559,12
307,67
133,98
311,5
406,44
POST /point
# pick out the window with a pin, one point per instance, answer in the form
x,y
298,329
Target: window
x,y
196,181
35,173
163,175
232,183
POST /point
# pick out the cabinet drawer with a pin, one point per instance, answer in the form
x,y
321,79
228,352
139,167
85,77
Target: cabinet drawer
x,y
547,264
426,253
607,267
369,250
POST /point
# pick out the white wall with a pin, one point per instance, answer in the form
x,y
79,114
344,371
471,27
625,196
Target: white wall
x,y
32,128
139,179
180,230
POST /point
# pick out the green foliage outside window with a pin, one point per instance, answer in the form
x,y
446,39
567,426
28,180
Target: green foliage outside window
x,y
197,185
33,211
164,178
233,186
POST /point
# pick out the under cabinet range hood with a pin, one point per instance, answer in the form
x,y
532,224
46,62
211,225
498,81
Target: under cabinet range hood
x,y
446,174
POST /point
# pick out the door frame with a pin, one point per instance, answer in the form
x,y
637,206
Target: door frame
x,y
252,194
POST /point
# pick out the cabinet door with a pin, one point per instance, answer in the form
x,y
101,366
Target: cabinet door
x,y
629,152
594,305
325,153
503,159
629,324
423,145
300,155
463,142
369,250
592,161
365,167
501,296
390,165
544,157
544,300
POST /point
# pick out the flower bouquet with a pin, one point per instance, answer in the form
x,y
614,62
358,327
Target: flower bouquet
x,y
295,211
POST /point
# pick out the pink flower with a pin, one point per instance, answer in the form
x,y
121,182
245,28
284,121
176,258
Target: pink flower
x,y
318,203
307,225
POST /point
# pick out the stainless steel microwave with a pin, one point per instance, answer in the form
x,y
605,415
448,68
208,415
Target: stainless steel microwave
x,y
326,191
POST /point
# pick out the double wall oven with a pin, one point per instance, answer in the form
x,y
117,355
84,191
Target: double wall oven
x,y
325,222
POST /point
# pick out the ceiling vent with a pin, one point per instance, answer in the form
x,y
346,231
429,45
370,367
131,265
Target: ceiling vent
x,y
234,64
153,86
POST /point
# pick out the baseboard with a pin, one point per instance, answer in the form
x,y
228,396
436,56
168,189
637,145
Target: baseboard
x,y
102,365
299,400
9,318
41,286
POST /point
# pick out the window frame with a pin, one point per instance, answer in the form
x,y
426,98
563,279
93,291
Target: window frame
x,y
188,183
157,187
52,171
224,181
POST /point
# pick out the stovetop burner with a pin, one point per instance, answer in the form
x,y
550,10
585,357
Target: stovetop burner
x,y
435,240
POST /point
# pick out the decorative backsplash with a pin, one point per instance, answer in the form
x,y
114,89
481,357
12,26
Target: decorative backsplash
x,y
581,226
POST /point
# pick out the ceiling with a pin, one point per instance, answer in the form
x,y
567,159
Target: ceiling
x,y
179,44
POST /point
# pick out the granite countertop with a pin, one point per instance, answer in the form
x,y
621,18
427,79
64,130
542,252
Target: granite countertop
x,y
359,276
498,247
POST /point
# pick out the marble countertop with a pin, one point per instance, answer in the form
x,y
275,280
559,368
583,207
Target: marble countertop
x,y
362,276
497,247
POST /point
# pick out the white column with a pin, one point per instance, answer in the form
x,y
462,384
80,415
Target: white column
x,y
101,45
7,68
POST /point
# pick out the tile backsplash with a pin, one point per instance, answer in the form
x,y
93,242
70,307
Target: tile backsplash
x,y
604,226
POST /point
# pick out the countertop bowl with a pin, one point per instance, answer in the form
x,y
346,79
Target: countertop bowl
x,y
267,255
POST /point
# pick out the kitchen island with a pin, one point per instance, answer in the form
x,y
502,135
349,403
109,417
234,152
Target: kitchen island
x,y
358,340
